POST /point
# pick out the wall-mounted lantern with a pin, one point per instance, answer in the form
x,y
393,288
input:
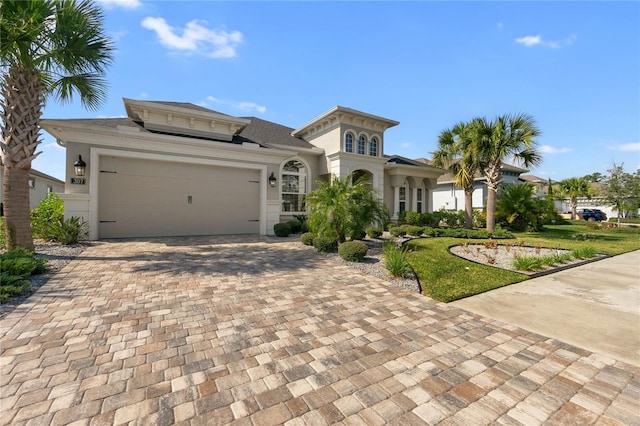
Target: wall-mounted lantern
x,y
272,180
79,166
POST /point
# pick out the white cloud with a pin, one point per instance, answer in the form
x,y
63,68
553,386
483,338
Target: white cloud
x,y
126,4
405,144
548,149
537,40
499,25
634,146
143,95
243,106
195,38
252,106
529,40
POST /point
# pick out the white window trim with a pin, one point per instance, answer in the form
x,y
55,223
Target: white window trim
x,y
307,181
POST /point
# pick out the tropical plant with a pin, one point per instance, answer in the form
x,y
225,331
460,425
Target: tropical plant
x,y
574,188
282,229
395,260
47,48
50,209
457,153
344,207
517,206
505,138
70,231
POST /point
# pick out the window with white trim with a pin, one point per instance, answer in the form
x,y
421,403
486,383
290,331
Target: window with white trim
x,y
293,186
362,143
373,147
419,200
32,183
348,142
402,196
49,189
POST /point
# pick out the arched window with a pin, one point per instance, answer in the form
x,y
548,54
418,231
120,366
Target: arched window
x,y
348,142
373,147
294,186
362,143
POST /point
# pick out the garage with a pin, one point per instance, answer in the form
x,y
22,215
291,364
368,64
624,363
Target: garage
x,y
149,198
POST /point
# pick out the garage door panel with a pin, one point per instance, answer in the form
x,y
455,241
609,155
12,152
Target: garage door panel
x,y
151,198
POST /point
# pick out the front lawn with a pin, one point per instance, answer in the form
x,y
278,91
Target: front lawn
x,y
446,277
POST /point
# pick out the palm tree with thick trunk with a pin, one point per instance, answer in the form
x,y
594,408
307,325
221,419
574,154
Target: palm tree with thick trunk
x,y
457,153
507,137
574,188
47,48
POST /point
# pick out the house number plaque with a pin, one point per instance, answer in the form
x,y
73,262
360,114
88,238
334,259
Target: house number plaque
x,y
78,181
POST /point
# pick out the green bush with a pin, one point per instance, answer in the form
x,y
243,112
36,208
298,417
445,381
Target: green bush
x,y
295,226
428,231
325,244
3,239
353,251
49,211
16,266
413,218
584,252
358,234
70,231
398,231
396,262
373,232
282,229
414,231
307,238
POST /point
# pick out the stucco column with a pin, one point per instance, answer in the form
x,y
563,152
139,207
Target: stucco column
x,y
414,199
396,202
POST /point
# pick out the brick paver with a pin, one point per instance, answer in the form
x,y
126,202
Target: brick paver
x,y
259,331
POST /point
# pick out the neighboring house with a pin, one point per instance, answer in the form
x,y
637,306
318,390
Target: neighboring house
x,y
448,196
40,185
540,185
172,168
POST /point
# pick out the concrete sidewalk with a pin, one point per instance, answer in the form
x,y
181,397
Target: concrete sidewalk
x,y
595,306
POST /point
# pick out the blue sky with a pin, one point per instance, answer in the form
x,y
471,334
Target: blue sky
x,y
573,66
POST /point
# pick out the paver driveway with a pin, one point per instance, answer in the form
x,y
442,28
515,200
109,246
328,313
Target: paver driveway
x,y
250,330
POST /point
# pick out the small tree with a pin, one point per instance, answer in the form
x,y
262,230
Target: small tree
x,y
621,190
517,206
343,207
574,188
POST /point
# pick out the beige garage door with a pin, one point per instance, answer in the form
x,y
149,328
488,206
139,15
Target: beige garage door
x,y
145,198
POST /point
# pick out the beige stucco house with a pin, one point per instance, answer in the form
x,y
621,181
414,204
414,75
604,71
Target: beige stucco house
x,y
40,185
173,169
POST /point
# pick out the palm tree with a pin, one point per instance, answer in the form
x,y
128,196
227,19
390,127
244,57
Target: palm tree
x,y
456,152
574,188
343,207
508,136
47,48
519,208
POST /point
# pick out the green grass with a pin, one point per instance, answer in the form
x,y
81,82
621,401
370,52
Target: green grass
x,y
446,277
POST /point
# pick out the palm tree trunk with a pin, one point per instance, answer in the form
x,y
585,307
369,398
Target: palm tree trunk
x,y
17,220
494,177
468,207
21,109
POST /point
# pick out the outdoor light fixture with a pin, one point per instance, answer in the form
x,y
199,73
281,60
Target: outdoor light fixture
x,y
272,180
79,166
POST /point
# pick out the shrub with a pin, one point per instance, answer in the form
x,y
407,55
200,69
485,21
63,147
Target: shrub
x,y
295,225
307,238
398,231
50,210
396,262
373,232
428,231
325,244
282,229
70,231
584,253
527,263
414,231
353,251
3,239
358,234
413,218
17,265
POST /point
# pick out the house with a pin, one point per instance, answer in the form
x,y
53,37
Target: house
x,y
540,185
175,169
448,196
40,184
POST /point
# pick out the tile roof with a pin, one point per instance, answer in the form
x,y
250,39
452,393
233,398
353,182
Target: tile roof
x,y
271,134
